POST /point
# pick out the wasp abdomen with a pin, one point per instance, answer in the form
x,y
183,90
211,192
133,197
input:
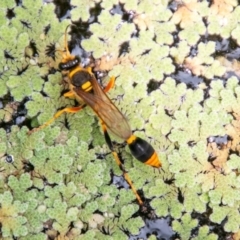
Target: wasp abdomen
x,y
144,152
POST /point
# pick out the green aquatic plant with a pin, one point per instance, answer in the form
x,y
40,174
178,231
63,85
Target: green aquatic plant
x,y
185,225
12,221
204,233
62,215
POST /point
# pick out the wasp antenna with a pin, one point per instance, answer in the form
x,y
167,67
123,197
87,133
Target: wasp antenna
x,y
65,40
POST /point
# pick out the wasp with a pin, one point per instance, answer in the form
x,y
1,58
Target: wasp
x,y
87,91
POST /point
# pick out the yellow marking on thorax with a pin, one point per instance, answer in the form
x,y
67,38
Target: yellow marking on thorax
x,y
87,86
73,71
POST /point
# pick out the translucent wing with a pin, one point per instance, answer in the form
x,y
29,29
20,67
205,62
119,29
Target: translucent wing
x,y
105,109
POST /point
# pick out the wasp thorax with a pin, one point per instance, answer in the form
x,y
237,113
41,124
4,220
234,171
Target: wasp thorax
x,y
80,77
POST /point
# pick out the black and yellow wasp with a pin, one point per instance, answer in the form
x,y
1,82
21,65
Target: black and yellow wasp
x,y
86,90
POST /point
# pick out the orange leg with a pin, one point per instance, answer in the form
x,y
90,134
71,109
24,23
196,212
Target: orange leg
x,y
115,155
58,114
110,84
71,94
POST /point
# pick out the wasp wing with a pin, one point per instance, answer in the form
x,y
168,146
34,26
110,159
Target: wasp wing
x,y
105,109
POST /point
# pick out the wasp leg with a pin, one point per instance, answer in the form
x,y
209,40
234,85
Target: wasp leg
x,y
58,114
115,155
69,94
110,84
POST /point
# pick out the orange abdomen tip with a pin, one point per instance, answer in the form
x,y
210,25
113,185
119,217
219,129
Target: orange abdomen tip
x,y
154,161
143,151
